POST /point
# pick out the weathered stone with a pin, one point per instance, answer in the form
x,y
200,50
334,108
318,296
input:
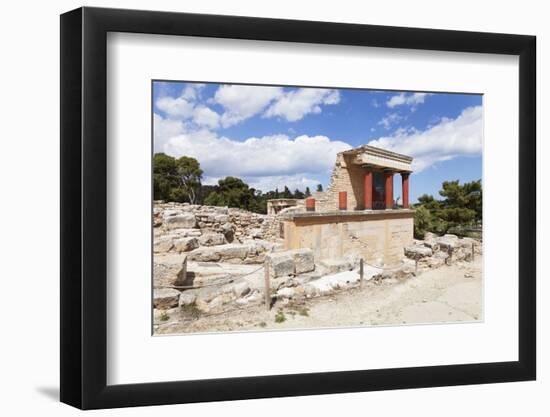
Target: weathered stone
x,y
280,264
219,301
212,239
286,292
163,244
435,262
303,260
187,298
432,244
185,232
170,213
417,252
221,218
450,236
430,236
333,266
181,221
241,288
169,269
165,298
447,244
227,252
186,244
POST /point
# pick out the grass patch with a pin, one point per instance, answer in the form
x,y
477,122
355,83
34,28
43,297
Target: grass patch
x,y
304,311
164,316
190,310
280,317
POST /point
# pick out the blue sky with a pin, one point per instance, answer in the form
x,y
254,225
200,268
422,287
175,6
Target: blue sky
x,y
276,136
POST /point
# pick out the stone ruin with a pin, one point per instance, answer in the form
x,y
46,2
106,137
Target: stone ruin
x,y
211,259
208,259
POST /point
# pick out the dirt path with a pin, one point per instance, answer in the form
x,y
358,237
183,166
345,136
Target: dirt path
x,y
447,294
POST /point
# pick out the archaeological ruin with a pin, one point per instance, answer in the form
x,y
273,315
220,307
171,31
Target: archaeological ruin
x,y
209,260
357,215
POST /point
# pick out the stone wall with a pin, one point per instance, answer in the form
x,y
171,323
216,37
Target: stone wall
x,y
377,237
235,224
345,177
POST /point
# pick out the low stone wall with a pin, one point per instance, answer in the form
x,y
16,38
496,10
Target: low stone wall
x,y
379,237
234,224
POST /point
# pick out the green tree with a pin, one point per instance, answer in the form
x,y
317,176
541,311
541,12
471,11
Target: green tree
x,y
422,222
164,176
308,192
298,194
189,175
287,193
460,207
232,192
319,188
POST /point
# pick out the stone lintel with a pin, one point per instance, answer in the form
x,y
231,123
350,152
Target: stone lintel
x,y
348,216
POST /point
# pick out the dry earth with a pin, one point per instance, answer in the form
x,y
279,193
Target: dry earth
x,y
446,294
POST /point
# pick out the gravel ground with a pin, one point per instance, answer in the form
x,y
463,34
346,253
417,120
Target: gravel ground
x,y
447,294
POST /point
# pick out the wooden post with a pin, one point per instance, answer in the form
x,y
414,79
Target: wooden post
x,y
361,272
267,286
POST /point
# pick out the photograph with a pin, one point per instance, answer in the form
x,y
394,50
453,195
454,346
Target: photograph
x,y
298,207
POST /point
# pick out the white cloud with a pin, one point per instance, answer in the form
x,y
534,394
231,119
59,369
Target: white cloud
x,y
293,182
412,100
164,129
192,91
269,183
204,116
390,119
268,156
448,139
294,105
243,101
175,107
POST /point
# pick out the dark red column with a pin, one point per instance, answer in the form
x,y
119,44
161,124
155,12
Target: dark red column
x,y
310,204
343,200
389,190
405,188
368,190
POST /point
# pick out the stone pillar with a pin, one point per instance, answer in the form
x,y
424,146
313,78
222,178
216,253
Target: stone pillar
x,y
389,189
310,204
368,190
343,200
405,188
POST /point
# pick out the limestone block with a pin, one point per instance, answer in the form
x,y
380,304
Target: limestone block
x,y
241,288
163,244
303,260
447,243
212,239
333,266
280,263
181,221
417,252
165,298
187,297
186,244
227,252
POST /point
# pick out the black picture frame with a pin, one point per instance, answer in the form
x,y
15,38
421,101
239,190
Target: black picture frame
x,y
84,207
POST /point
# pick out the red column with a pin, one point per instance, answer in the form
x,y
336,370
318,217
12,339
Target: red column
x,y
310,204
343,200
389,190
405,188
368,190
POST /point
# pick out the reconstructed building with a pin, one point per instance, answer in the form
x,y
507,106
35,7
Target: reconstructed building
x,y
357,216
276,205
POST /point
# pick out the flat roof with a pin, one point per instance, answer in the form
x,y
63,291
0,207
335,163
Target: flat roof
x,y
372,150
